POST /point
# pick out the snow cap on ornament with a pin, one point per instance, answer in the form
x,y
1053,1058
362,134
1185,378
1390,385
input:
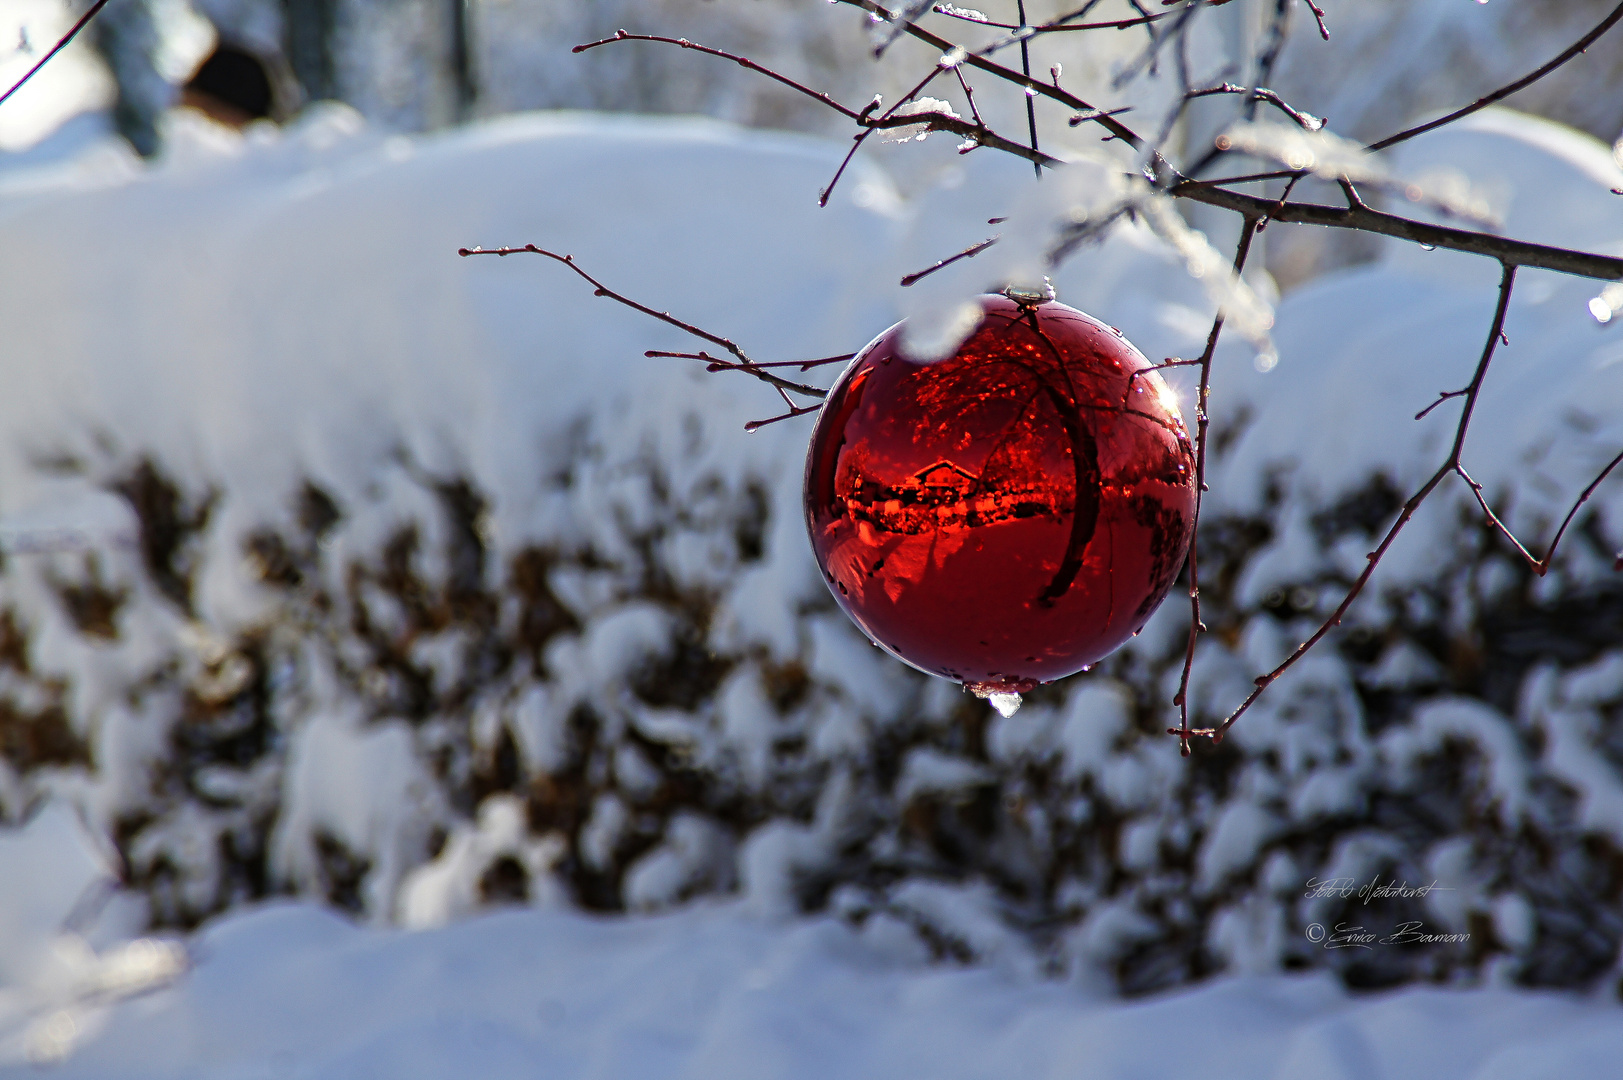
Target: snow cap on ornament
x,y
1011,513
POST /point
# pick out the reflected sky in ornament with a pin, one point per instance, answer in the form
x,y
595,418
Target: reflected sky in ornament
x,y
1011,514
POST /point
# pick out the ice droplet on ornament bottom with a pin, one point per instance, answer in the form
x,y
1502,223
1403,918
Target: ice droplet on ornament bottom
x,y
1007,515
1005,704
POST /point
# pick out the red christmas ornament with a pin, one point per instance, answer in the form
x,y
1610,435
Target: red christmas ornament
x,y
1011,514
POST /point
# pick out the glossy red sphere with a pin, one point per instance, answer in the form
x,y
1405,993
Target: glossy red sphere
x,y
1008,515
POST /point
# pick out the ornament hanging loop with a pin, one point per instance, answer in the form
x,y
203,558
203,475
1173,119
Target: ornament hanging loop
x,y
1029,296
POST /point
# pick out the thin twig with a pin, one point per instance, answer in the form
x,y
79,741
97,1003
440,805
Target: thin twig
x,y
794,411
1503,92
745,364
1082,118
1318,14
935,121
969,95
741,61
62,43
1539,566
1268,56
968,253
1031,100
1202,421
856,144
1247,178
1262,93
1171,362
1280,205
718,364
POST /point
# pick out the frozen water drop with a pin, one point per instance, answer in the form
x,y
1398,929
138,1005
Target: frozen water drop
x,y
1005,704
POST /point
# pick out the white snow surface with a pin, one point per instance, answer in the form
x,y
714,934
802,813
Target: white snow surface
x,y
292,990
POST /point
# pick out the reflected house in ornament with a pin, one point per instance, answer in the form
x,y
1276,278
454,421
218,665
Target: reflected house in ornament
x,y
946,495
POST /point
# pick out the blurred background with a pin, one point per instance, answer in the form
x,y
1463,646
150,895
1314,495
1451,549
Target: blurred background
x,y
340,570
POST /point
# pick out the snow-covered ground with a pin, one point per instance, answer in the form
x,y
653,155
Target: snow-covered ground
x,y
252,314
291,990
715,990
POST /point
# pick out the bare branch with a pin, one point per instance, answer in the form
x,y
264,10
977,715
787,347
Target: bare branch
x,y
741,61
1363,219
62,43
744,364
1262,93
1318,15
1441,397
968,253
717,364
1280,205
1507,283
1031,100
794,411
969,95
1539,566
1082,118
1202,421
1503,92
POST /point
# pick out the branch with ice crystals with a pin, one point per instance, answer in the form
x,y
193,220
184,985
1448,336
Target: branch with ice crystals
x,y
939,305
1320,153
931,110
1317,151
1238,303
952,11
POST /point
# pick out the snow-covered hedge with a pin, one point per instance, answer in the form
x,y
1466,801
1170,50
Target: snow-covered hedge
x,y
337,565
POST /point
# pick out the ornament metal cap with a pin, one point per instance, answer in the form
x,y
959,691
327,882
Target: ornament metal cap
x,y
1030,295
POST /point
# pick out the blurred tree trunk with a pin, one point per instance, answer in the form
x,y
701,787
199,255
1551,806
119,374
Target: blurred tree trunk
x,y
309,29
127,36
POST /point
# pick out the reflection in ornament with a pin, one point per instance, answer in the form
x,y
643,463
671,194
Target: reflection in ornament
x,y
1011,514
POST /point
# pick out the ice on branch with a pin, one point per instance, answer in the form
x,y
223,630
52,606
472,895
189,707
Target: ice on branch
x,y
1335,158
1453,192
1246,312
967,14
1608,304
917,132
1033,221
1317,152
